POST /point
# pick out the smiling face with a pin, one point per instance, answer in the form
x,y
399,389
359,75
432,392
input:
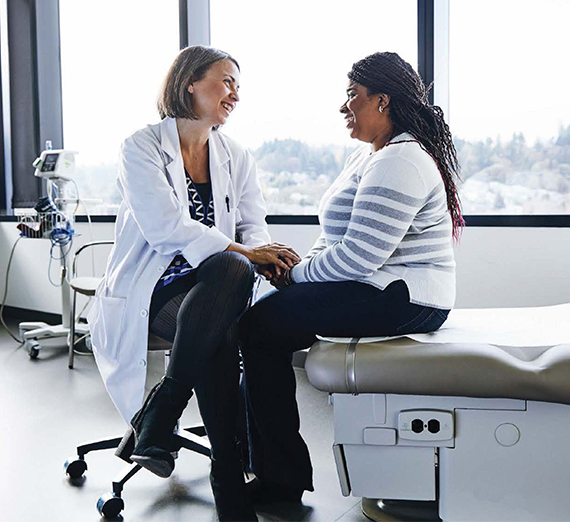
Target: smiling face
x,y
215,95
361,113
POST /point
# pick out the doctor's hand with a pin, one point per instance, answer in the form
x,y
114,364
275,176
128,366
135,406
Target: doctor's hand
x,y
281,257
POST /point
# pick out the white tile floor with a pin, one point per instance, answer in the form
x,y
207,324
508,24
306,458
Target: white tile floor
x,y
46,410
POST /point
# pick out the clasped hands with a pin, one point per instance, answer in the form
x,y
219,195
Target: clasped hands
x,y
274,261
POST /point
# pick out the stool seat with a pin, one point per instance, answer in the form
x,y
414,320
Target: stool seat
x,y
158,344
405,366
85,285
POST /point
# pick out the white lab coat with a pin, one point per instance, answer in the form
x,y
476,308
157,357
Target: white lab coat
x,y
153,226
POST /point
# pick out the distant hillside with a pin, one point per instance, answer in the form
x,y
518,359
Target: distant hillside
x,y
498,177
297,156
515,177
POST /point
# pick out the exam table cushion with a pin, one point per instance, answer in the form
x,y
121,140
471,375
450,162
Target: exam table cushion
x,y
405,366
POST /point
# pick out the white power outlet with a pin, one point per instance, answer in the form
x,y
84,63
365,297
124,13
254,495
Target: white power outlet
x,y
425,425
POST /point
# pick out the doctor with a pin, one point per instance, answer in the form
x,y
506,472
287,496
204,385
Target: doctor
x,y
190,228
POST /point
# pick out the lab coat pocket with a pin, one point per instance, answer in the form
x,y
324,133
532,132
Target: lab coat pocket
x,y
108,327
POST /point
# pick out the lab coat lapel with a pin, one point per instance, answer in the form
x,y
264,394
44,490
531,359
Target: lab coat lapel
x,y
221,178
170,142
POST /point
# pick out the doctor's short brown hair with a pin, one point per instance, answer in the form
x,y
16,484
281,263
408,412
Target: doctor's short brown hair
x,y
190,65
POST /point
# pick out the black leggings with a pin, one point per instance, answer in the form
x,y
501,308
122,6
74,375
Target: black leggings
x,y
201,324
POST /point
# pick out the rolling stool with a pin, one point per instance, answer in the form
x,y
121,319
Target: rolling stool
x,y
111,504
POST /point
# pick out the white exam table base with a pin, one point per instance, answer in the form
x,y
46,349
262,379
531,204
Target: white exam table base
x,y
480,480
494,459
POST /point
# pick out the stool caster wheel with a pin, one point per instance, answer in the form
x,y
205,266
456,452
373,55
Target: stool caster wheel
x,y
75,467
109,506
33,348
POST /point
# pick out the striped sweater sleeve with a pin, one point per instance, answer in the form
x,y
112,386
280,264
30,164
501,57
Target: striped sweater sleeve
x,y
320,244
389,195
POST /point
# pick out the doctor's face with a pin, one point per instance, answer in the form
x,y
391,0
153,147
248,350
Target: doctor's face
x,y
215,96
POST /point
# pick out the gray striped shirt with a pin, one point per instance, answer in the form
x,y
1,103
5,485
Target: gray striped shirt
x,y
385,218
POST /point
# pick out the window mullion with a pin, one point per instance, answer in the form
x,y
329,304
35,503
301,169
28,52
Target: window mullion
x,y
6,144
198,19
49,73
426,42
441,56
23,96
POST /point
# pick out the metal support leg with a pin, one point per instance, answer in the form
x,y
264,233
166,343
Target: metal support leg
x,y
400,510
191,442
128,472
99,445
71,338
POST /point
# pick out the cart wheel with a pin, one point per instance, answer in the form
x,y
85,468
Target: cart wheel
x,y
109,506
83,347
33,348
75,467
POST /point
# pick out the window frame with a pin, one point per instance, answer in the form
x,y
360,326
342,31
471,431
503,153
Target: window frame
x,y
194,28
5,187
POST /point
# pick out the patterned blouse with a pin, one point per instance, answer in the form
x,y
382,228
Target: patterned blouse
x,y
201,209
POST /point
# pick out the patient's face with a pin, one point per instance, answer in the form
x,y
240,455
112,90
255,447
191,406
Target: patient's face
x,y
361,113
215,96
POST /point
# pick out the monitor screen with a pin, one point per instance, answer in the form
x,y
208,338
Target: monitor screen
x,y
49,163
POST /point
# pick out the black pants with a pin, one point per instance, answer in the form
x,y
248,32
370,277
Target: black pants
x,y
202,324
288,320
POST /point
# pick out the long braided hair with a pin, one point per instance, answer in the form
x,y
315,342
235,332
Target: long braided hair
x,y
411,112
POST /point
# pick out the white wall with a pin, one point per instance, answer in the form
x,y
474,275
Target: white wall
x,y
28,283
496,267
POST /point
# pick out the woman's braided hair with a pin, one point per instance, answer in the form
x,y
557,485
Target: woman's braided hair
x,y
411,112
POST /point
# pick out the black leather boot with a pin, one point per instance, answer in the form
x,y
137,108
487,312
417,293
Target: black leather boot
x,y
148,440
228,485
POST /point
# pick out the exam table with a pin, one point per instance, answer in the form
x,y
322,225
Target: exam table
x,y
470,423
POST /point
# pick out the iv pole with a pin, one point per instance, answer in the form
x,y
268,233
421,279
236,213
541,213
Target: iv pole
x,y
58,220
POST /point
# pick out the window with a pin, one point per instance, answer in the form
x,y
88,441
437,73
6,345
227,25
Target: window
x,y
294,58
499,75
114,56
509,105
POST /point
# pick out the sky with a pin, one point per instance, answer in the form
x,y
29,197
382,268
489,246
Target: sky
x,y
294,61
506,66
114,55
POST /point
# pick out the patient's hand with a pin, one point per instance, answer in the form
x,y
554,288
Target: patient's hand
x,y
267,271
282,281
278,277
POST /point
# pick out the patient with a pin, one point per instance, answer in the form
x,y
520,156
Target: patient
x,y
383,264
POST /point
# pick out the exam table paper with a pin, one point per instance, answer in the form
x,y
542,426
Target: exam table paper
x,y
522,327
